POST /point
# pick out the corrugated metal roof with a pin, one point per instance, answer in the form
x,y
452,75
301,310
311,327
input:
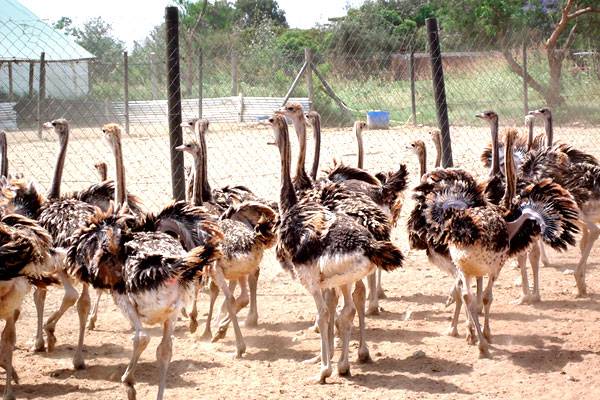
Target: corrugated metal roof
x,y
23,37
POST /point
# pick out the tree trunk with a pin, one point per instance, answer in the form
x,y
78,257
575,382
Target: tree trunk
x,y
189,69
553,97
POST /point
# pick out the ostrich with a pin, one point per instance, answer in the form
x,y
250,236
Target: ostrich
x,y
147,270
248,231
481,238
233,197
102,170
579,173
385,196
3,155
328,251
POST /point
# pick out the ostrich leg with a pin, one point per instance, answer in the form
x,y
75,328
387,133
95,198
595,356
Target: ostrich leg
x,y
219,279
359,302
164,352
372,298
7,345
69,299
94,314
323,322
471,307
526,296
534,260
39,298
590,235
214,292
83,308
346,317
140,342
194,312
252,317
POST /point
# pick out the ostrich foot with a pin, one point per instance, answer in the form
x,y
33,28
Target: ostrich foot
x,y
484,351
131,393
51,338
193,325
91,324
373,309
251,321
38,346
581,292
206,336
452,331
78,362
15,376
322,377
184,313
381,293
524,299
471,337
344,369
221,332
536,298
487,334
363,356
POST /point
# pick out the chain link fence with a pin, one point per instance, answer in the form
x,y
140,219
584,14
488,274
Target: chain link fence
x,y
237,79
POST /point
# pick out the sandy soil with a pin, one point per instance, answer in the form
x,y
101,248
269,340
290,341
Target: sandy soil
x,y
549,350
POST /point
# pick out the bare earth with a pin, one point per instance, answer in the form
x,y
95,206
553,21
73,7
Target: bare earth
x,y
545,351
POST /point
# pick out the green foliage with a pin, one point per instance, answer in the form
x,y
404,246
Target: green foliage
x,y
254,12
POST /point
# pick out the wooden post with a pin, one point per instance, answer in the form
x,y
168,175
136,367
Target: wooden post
x,y
525,88
41,93
234,73
126,90
439,90
153,77
413,95
31,76
308,60
200,82
174,101
11,91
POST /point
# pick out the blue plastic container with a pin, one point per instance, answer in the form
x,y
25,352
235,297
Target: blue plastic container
x,y
378,119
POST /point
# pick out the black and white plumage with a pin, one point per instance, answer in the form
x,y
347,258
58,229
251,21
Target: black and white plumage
x,y
248,229
26,254
328,250
481,238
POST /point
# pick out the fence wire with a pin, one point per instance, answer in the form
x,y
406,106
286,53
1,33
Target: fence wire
x,y
236,83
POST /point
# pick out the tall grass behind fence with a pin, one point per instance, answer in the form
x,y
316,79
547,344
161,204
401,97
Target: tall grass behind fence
x,y
243,81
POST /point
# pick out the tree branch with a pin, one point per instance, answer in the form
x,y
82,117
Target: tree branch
x,y
560,26
199,18
517,69
570,38
583,11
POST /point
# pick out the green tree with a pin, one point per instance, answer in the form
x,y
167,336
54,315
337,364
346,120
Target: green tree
x,y
499,22
253,12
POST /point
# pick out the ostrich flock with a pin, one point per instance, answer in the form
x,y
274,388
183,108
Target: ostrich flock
x,y
330,232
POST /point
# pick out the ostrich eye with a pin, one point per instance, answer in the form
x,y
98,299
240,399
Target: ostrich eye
x,y
290,108
103,130
53,123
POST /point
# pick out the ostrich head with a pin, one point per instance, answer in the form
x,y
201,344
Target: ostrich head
x,y
293,110
190,123
543,112
436,136
529,119
490,116
417,147
112,134
360,125
102,169
279,125
192,147
61,128
312,117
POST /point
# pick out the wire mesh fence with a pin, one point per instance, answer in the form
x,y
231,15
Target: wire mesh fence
x,y
237,79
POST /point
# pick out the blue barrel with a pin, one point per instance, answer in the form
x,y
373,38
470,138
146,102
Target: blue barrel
x,y
378,119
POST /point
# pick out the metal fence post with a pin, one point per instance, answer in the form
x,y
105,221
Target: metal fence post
x,y
31,75
41,92
10,81
174,101
439,90
525,87
413,97
200,82
153,77
308,59
234,73
126,90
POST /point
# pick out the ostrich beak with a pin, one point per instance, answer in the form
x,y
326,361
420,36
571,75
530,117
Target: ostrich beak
x,y
180,148
47,125
480,115
535,113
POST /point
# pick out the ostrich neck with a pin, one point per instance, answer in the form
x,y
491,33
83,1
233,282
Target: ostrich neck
x,y
438,152
423,163
530,134
54,192
549,131
206,192
300,128
3,155
361,149
198,177
103,174
510,174
317,155
120,193
495,150
287,195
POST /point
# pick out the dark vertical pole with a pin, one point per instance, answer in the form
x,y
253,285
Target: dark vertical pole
x,y
11,91
174,101
234,73
126,89
41,92
308,59
31,75
413,96
439,90
525,88
200,82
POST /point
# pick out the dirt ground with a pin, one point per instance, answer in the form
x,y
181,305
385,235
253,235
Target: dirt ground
x,y
545,351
